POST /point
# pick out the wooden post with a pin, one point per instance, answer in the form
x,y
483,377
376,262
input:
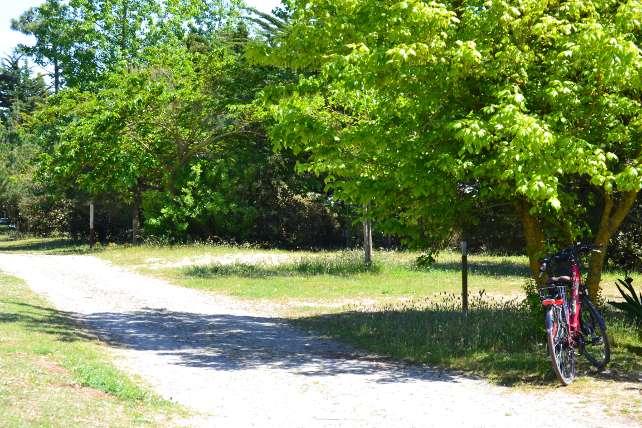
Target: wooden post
x,y
367,236
464,276
135,224
92,233
136,215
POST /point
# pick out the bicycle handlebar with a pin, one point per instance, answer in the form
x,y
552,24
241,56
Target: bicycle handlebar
x,y
571,253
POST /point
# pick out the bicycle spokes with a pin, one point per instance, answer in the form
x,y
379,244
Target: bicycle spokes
x,y
594,342
561,346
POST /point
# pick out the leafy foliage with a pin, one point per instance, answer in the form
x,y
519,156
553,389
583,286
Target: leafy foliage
x,y
431,113
528,102
176,137
19,95
83,40
632,304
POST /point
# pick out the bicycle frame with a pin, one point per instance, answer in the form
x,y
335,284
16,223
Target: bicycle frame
x,y
568,331
571,308
576,302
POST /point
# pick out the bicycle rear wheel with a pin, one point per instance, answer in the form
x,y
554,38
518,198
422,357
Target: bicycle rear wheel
x,y
595,342
560,345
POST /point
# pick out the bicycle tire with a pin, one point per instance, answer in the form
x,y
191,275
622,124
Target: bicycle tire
x,y
559,345
595,340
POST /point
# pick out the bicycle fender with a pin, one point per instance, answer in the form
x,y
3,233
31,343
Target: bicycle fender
x,y
548,320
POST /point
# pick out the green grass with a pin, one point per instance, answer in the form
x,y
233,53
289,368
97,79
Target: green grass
x,y
53,374
501,340
342,276
393,308
346,265
496,339
321,276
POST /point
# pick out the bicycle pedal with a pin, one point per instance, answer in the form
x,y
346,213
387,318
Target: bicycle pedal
x,y
597,340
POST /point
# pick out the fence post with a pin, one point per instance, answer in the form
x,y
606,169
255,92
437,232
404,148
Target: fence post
x,y
367,236
92,233
464,276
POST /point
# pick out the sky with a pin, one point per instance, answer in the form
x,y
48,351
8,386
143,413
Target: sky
x,y
10,9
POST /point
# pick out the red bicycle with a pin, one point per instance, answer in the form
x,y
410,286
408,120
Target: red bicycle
x,y
573,323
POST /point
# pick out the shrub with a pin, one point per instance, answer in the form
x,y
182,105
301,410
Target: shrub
x,y
632,304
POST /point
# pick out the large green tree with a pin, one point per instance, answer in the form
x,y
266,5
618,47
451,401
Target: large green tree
x,y
84,40
178,138
20,94
134,135
422,106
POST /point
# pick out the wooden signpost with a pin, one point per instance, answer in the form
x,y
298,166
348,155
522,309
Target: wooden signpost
x,y
367,236
464,276
92,233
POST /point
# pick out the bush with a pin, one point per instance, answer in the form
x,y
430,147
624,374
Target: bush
x,y
632,304
347,263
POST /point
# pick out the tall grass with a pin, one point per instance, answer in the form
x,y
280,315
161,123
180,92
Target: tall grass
x,y
497,339
342,264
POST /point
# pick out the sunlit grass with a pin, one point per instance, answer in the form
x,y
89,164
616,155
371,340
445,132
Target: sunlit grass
x,y
501,340
393,307
53,374
345,264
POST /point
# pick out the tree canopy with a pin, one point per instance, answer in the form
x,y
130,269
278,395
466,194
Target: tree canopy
x,y
430,114
531,102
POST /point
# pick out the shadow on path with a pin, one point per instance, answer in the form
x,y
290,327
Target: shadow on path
x,y
63,325
47,246
233,342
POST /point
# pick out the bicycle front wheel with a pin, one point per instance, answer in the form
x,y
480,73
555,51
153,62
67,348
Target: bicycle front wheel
x,y
595,342
560,345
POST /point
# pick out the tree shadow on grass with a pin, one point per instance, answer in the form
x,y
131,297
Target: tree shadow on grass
x,y
63,325
486,343
50,246
225,342
503,344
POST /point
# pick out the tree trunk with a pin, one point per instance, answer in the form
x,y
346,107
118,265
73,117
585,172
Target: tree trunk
x,y
56,76
534,235
124,29
613,214
367,236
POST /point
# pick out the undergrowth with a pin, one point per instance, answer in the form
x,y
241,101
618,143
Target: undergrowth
x,y
502,340
347,263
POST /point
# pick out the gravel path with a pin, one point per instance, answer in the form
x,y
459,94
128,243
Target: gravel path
x,y
237,367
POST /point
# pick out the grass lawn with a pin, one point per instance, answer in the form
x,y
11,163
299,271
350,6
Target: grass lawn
x,y
52,374
394,308
325,277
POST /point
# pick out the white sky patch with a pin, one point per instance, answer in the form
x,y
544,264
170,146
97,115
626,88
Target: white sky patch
x,y
10,9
